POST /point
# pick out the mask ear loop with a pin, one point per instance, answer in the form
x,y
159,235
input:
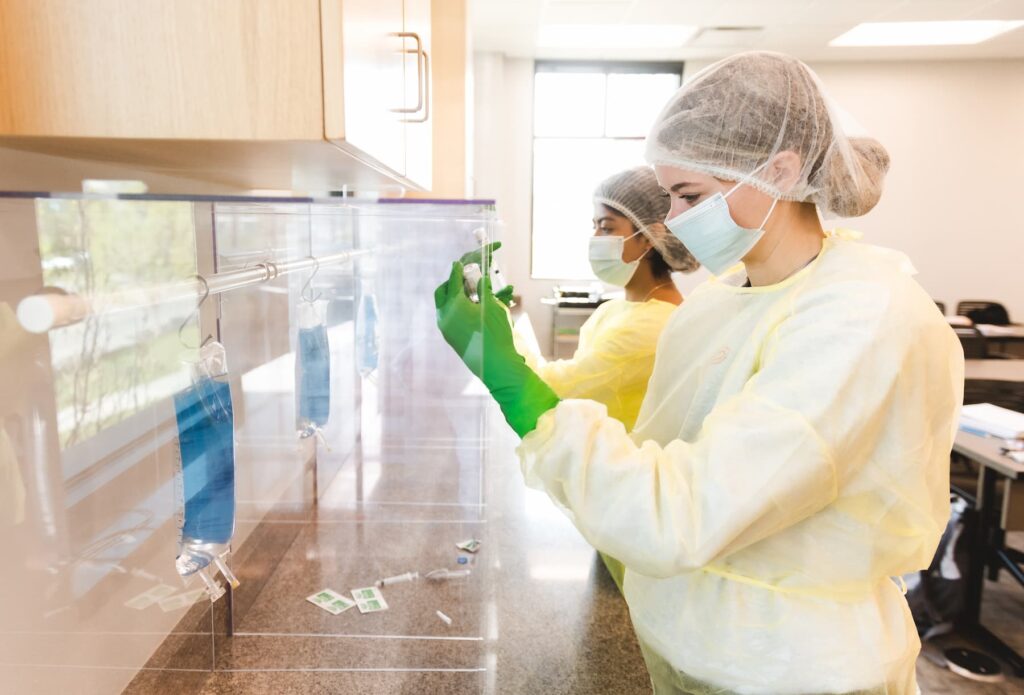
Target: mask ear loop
x,y
771,209
641,257
740,183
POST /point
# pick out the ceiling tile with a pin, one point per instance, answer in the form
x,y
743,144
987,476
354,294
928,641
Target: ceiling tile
x,y
801,27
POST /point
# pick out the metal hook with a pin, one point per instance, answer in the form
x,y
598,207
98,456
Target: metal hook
x,y
195,313
310,297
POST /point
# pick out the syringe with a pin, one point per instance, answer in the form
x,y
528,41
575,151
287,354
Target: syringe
x,y
473,273
497,280
444,574
399,579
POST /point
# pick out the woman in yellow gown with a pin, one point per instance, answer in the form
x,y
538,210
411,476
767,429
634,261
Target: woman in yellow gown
x,y
631,248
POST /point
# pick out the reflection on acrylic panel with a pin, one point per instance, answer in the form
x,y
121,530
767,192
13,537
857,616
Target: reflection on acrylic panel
x,y
116,363
94,491
86,444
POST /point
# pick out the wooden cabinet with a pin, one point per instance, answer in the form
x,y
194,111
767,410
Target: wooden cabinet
x,y
229,69
285,94
364,77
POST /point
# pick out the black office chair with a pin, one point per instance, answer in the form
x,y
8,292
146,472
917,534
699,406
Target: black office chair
x,y
992,313
974,344
942,306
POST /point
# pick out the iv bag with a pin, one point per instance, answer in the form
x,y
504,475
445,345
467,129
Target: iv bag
x,y
206,474
367,340
312,369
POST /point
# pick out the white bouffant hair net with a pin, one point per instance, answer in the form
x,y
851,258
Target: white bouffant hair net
x,y
734,116
635,194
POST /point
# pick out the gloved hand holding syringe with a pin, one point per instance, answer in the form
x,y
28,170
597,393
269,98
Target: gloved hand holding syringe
x,y
477,262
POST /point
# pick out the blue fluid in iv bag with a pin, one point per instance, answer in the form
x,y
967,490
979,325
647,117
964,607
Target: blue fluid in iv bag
x,y
207,451
367,341
313,375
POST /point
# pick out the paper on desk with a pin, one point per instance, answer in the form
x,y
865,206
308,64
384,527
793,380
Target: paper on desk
x,y
986,418
992,331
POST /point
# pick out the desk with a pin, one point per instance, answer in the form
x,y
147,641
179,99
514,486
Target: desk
x,y
1012,332
994,370
987,548
568,314
1008,340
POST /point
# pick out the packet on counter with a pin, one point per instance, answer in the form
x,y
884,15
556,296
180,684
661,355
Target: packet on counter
x,y
331,601
369,600
470,545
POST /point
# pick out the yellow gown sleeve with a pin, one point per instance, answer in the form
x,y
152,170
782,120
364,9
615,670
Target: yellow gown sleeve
x,y
613,362
766,458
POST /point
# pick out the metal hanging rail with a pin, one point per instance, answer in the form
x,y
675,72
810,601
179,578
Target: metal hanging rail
x,y
39,313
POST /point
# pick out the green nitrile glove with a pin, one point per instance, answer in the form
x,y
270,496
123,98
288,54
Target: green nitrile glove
x,y
504,295
481,336
482,257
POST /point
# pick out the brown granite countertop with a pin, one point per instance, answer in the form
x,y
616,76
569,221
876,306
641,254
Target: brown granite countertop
x,y
538,614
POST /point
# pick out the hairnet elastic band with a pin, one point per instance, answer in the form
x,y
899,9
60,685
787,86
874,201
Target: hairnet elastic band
x,y
727,175
619,207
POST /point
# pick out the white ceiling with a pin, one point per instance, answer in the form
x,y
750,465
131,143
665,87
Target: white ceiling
x,y
800,27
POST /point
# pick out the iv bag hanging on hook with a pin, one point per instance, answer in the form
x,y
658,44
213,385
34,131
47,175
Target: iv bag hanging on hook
x,y
312,368
206,474
367,338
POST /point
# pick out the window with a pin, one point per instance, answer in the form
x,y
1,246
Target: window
x,y
113,365
589,122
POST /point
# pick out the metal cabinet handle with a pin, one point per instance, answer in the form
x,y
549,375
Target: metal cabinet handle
x,y
418,51
426,101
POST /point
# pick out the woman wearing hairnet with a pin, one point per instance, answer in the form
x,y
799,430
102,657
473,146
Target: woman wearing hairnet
x,y
792,451
615,356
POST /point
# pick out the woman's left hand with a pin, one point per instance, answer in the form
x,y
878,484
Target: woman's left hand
x,y
481,336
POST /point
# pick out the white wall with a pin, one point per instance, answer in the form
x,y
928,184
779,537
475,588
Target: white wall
x,y
955,131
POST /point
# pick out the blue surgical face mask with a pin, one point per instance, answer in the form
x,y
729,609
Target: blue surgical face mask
x,y
606,260
712,236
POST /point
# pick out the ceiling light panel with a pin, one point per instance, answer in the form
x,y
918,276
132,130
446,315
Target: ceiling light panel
x,y
955,33
615,35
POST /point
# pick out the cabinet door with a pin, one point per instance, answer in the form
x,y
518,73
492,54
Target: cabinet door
x,y
187,69
363,78
419,75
